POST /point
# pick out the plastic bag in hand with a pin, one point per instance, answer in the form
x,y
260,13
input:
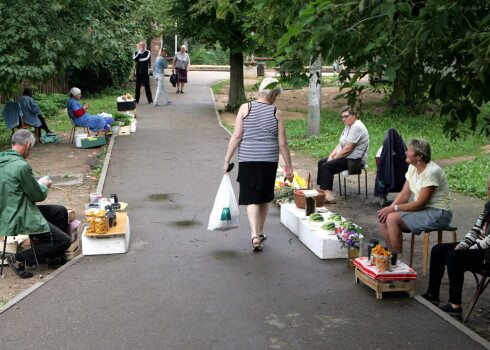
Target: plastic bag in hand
x,y
225,215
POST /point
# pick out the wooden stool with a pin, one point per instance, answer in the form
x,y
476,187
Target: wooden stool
x,y
380,287
481,285
448,228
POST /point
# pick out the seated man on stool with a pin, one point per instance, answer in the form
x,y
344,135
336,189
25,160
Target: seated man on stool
x,y
19,215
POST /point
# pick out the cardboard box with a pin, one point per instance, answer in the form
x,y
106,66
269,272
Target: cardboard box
x,y
93,142
126,106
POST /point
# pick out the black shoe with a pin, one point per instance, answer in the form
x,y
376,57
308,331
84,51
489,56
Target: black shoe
x,y
56,262
19,267
430,298
178,91
448,309
181,91
150,102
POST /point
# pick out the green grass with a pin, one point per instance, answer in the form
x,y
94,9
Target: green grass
x,y
409,126
217,87
470,177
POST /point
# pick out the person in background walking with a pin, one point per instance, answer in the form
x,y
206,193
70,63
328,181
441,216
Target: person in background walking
x,y
158,74
142,59
32,112
181,65
259,134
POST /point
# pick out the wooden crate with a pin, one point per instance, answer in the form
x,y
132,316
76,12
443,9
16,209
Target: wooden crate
x,y
382,287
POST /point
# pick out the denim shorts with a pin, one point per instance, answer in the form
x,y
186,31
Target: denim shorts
x,y
426,219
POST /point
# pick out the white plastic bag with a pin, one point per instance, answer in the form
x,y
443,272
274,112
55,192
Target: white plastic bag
x,y
225,215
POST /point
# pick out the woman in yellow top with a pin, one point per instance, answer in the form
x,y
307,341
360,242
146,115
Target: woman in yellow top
x,y
431,208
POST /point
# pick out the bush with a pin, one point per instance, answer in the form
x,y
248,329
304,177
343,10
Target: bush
x,y
108,73
214,56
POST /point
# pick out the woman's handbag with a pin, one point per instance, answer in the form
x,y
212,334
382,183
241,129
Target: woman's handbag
x,y
354,166
173,79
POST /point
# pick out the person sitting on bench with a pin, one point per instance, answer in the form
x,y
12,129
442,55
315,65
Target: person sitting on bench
x,y
19,215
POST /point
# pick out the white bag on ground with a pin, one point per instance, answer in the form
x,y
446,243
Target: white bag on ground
x,y
225,215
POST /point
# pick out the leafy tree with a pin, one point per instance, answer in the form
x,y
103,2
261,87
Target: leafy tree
x,y
432,51
209,23
42,37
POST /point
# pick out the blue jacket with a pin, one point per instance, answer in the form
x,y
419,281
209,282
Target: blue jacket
x,y
160,65
30,109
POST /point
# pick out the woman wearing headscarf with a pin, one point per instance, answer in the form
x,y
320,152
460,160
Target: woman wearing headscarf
x,y
80,117
181,65
259,135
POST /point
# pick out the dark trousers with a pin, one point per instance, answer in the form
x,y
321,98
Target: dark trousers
x,y
55,242
327,170
145,79
44,126
458,262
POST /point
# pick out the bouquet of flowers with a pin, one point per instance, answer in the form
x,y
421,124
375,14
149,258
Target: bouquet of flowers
x,y
347,238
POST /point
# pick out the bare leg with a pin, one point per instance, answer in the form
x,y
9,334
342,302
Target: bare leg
x,y
385,235
394,226
257,213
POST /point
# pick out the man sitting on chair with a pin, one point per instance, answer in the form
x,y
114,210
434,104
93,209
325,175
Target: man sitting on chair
x,y
19,215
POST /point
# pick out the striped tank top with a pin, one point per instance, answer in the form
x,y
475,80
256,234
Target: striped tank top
x,y
259,141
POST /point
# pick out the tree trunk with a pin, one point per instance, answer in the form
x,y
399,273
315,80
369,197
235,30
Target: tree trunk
x,y
314,97
236,94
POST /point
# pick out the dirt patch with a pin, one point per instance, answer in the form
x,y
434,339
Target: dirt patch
x,y
60,160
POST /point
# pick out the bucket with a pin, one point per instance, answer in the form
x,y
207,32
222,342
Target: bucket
x,y
78,138
115,129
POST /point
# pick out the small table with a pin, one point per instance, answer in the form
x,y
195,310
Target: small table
x,y
115,241
399,278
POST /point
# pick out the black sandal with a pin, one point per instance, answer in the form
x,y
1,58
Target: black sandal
x,y
257,247
262,237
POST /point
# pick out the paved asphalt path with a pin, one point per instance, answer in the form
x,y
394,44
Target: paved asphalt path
x,y
181,287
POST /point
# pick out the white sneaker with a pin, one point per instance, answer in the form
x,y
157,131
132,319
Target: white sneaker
x,y
155,104
169,102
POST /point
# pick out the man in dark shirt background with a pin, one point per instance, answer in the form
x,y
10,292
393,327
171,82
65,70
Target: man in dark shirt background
x,y
142,58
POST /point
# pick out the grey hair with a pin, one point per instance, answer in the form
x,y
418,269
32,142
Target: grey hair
x,y
421,147
22,137
272,94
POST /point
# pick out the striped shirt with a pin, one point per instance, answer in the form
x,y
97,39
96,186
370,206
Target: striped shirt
x,y
259,141
477,238
358,134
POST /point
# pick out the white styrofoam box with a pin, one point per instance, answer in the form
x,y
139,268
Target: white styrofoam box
x,y
290,217
107,244
324,246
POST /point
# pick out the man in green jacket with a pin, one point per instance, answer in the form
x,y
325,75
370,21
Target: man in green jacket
x,y
19,215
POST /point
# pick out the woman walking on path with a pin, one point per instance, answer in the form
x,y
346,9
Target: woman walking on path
x,y
259,134
182,62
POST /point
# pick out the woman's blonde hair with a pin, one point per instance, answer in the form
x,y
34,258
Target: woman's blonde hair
x,y
421,147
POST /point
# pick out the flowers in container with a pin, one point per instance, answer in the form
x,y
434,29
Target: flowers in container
x,y
348,237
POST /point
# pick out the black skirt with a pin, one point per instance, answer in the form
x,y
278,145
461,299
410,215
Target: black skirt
x,y
257,181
